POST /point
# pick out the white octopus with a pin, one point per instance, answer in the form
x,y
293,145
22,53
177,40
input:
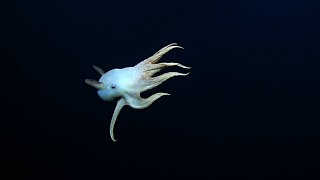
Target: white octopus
x,y
127,83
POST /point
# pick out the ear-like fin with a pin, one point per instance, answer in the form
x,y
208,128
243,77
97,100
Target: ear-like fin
x,y
99,70
94,83
121,102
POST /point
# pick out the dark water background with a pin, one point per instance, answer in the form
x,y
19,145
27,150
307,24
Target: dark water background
x,y
250,107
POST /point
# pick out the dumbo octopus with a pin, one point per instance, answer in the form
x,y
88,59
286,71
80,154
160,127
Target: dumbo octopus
x,y
127,83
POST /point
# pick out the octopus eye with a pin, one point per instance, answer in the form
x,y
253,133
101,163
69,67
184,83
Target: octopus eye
x,y
113,86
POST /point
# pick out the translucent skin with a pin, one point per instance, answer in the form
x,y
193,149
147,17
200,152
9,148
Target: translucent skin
x,y
128,83
123,79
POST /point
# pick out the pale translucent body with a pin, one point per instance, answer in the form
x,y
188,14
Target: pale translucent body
x,y
128,83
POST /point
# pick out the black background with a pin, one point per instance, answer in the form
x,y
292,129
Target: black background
x,y
249,108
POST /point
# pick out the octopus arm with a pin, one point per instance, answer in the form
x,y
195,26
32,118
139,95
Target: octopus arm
x,y
120,104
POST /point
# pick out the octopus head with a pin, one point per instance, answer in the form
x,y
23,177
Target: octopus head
x,y
111,88
108,85
109,93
